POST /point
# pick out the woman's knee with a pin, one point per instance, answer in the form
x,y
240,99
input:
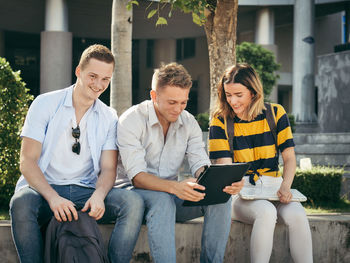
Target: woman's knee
x,y
292,213
266,212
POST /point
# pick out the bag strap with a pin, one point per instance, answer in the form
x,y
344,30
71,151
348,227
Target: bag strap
x,y
270,117
230,134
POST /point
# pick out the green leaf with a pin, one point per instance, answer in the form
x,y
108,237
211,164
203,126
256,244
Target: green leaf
x,y
151,13
161,21
196,19
130,3
134,2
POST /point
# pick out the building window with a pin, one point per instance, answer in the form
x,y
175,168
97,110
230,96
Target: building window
x,y
150,53
185,48
192,104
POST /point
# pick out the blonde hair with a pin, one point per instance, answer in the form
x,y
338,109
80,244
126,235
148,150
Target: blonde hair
x,y
243,74
172,74
98,52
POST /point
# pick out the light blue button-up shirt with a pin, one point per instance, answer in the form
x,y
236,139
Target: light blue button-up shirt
x,y
143,149
50,114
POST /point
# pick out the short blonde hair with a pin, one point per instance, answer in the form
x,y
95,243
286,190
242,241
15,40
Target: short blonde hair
x,y
244,74
98,52
172,74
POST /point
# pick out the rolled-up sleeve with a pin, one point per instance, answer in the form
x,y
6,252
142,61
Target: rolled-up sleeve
x,y
129,131
196,155
111,140
36,121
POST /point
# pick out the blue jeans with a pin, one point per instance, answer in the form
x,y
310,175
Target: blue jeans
x,y
30,211
162,210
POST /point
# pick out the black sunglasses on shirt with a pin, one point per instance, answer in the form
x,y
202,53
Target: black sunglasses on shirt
x,y
76,136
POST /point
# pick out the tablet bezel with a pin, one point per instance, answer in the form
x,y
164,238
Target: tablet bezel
x,y
215,178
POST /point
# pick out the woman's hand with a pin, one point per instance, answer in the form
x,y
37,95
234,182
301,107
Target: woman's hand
x,y
234,188
284,193
289,165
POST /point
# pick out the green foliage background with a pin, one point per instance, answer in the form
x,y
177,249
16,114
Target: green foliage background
x,y
203,121
14,101
262,60
320,184
157,9
264,63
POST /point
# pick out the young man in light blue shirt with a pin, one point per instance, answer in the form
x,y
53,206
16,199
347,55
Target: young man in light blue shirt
x,y
153,139
68,162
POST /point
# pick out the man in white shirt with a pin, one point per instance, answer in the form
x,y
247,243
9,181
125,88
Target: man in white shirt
x,y
153,139
68,162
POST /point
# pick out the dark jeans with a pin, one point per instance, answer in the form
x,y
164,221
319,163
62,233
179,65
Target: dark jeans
x,y
30,211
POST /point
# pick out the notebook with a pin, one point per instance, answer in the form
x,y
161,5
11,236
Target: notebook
x,y
268,193
215,178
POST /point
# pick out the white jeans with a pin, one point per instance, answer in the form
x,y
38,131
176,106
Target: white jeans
x,y
263,215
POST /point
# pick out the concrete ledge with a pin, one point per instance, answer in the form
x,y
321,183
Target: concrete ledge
x,y
330,236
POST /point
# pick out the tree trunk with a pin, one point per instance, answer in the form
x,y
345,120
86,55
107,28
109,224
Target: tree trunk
x,y
121,38
220,28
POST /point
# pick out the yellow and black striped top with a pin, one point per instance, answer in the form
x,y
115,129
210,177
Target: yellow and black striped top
x,y
253,141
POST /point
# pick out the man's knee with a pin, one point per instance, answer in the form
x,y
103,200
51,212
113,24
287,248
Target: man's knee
x,y
24,202
125,202
158,203
222,208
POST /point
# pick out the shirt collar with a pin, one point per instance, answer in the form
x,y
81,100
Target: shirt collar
x,y
152,116
68,101
153,119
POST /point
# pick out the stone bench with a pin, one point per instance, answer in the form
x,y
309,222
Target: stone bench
x,y
330,236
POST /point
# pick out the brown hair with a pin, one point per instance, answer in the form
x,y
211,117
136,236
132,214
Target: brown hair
x,y
98,52
172,74
243,74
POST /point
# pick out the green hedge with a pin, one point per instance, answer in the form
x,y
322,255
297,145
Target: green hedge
x,y
320,184
262,60
203,121
14,101
291,121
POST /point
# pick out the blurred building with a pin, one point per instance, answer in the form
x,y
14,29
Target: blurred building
x,y
35,32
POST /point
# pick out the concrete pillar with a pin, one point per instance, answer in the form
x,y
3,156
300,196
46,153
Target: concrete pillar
x,y
265,27
265,36
56,17
56,48
2,43
303,62
164,51
55,60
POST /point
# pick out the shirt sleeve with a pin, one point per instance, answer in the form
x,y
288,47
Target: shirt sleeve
x,y
111,140
218,142
129,132
196,155
37,119
284,131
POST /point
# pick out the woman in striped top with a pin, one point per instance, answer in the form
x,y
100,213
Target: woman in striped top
x,y
240,97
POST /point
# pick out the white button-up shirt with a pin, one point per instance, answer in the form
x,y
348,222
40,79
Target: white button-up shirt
x,y
50,115
142,146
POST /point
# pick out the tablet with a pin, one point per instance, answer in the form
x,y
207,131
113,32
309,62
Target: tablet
x,y
215,178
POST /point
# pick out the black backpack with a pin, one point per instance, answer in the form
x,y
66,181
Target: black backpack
x,y
75,241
